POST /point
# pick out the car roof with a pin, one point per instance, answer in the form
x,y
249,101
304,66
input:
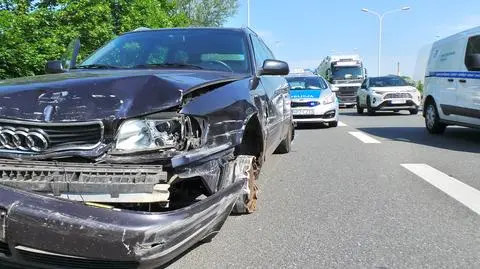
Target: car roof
x,y
306,74
232,29
388,76
469,32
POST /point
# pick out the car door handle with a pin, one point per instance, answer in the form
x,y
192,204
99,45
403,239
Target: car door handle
x,y
462,80
450,80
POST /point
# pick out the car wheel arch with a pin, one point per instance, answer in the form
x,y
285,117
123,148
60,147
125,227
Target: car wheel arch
x,y
252,141
429,99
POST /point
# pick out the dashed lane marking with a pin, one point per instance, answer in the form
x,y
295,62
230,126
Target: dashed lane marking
x,y
456,189
365,138
341,124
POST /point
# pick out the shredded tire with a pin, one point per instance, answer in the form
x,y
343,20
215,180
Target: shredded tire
x,y
246,167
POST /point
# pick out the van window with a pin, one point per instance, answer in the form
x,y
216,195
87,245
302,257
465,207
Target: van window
x,y
472,57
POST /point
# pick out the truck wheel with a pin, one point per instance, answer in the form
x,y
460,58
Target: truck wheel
x,y
246,167
370,110
432,120
359,108
286,143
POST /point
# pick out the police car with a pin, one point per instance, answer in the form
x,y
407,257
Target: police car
x,y
313,100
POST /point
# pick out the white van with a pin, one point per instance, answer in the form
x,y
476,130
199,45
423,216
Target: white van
x,y
452,82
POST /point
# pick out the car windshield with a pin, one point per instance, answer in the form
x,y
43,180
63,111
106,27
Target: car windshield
x,y
306,83
387,82
219,50
350,72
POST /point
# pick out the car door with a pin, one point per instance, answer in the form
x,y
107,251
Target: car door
x,y
274,89
468,93
362,93
444,60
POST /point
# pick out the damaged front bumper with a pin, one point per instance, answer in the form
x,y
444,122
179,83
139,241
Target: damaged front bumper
x,y
38,231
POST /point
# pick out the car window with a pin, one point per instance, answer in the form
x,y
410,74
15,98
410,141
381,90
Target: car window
x,y
472,52
258,50
387,82
364,84
306,83
216,50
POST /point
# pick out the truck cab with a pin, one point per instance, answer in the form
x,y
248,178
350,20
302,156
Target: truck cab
x,y
346,72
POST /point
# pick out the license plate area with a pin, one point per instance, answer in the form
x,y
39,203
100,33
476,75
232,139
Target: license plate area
x,y
302,112
399,101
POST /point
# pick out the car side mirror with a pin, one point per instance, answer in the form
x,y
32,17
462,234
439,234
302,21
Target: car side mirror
x,y
334,88
472,61
274,68
54,67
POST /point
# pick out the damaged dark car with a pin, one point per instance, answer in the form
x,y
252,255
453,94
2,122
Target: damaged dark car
x,y
139,152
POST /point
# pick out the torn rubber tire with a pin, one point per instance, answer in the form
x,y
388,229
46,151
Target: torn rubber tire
x,y
246,168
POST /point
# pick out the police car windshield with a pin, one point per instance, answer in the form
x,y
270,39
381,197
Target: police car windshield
x,y
387,82
306,83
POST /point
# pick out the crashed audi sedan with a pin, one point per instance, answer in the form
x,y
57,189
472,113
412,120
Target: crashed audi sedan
x,y
131,157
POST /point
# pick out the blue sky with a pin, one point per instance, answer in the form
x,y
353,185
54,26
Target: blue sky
x,y
303,32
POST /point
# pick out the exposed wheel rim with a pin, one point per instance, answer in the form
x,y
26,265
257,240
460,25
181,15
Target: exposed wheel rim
x,y
430,117
251,201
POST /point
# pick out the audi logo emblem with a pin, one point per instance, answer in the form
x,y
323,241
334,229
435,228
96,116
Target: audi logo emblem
x,y
23,139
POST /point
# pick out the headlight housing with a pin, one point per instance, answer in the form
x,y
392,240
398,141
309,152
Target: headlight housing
x,y
138,135
329,99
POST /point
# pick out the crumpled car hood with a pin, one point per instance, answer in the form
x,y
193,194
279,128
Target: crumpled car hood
x,y
87,95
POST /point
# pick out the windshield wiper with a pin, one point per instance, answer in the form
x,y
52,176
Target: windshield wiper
x,y
96,66
169,65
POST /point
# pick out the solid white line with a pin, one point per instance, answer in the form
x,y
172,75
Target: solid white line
x,y
341,124
364,138
458,190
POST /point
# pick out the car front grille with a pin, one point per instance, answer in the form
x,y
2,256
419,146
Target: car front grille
x,y
47,137
62,261
305,104
397,95
347,91
58,177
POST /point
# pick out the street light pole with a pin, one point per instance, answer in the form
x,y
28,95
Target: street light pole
x,y
248,13
380,20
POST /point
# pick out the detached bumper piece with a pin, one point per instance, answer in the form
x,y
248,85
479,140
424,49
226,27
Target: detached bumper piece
x,y
88,182
47,232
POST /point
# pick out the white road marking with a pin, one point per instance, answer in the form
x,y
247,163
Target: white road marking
x,y
341,124
458,190
365,138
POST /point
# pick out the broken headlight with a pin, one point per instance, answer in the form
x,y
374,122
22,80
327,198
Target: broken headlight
x,y
150,134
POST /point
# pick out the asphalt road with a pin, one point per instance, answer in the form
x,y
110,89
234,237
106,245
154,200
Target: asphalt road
x,y
338,202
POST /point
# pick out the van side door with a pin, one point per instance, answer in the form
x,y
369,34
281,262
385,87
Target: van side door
x,y
468,93
442,81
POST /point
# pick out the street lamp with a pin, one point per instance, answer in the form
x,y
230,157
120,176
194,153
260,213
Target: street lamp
x,y
380,18
248,13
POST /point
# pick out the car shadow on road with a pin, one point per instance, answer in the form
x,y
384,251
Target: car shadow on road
x,y
310,126
377,114
454,138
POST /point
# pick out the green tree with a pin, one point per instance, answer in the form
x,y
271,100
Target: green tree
x,y
420,86
33,32
208,12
